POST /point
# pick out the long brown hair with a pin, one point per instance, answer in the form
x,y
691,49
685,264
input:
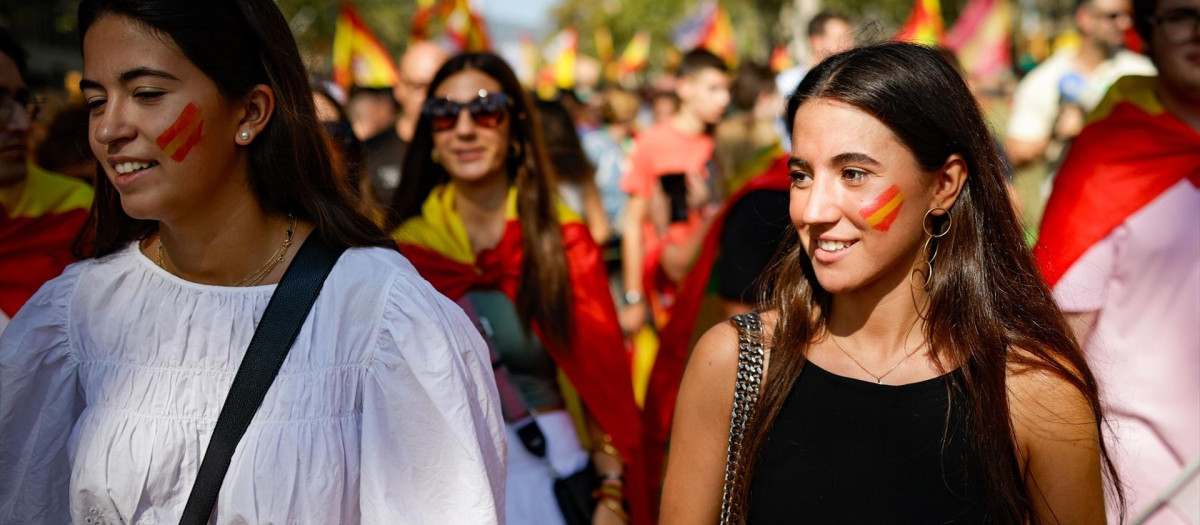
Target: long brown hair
x,y
987,296
240,44
543,296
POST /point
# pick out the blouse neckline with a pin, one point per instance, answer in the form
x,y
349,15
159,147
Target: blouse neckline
x,y
134,251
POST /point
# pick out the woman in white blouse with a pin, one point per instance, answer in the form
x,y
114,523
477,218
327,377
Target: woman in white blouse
x,y
215,170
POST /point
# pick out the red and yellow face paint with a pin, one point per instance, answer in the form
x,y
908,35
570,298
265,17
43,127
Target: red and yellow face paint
x,y
183,135
883,211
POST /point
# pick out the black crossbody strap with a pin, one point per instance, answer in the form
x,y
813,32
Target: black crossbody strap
x,y
277,330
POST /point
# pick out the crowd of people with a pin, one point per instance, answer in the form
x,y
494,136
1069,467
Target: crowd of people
x,y
846,288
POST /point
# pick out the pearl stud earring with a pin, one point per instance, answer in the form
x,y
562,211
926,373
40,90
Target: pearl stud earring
x,y
245,135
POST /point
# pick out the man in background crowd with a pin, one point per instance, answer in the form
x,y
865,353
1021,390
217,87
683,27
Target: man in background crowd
x,y
1120,245
385,150
40,212
1050,103
656,250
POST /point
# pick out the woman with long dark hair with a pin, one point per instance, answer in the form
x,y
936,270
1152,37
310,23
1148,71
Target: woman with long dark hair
x,y
477,213
916,369
215,175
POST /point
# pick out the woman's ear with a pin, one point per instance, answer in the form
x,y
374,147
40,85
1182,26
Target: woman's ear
x,y
257,108
949,181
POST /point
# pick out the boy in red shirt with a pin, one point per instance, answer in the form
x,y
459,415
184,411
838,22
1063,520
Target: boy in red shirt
x,y
657,252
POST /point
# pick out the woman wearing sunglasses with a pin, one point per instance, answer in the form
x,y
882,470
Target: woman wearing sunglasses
x,y
479,217
215,179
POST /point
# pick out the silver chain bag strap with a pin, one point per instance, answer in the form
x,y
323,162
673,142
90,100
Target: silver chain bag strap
x,y
745,397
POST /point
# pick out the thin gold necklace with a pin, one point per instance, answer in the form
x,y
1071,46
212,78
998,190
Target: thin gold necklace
x,y
878,378
258,275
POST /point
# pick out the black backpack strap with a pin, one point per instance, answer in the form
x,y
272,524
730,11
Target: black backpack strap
x,y
277,330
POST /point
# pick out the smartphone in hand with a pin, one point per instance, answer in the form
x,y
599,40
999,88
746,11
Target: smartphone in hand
x,y
674,185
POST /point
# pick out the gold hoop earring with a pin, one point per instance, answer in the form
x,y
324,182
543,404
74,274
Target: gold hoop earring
x,y
928,256
949,222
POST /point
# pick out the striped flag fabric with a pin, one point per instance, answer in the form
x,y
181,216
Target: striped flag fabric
x,y
451,22
38,224
635,55
981,37
781,60
924,25
1131,151
359,59
711,29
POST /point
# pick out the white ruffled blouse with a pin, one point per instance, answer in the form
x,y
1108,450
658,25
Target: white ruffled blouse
x,y
112,377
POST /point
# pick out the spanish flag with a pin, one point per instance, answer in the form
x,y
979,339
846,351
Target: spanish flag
x,y
38,223
924,25
634,57
595,361
358,57
780,59
679,332
711,29
453,22
980,37
1131,152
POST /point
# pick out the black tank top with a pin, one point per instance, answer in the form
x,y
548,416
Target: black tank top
x,y
848,451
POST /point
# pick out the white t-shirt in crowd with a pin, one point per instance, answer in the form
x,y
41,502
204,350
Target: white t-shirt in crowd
x,y
1038,97
113,374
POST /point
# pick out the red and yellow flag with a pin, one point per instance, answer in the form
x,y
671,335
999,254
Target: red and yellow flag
x,y
635,55
781,60
38,223
1130,153
596,360
452,22
924,25
358,57
711,29
981,37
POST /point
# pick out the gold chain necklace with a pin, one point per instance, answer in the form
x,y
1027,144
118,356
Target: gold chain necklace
x,y
878,379
263,271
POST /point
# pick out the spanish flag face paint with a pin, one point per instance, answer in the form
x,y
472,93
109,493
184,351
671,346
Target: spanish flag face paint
x,y
183,135
884,209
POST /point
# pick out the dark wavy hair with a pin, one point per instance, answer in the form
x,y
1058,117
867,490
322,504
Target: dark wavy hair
x,y
543,296
988,296
240,44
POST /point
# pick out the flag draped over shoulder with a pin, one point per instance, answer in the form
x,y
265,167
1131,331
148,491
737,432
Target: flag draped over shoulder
x,y
596,362
924,25
1131,152
37,229
676,336
358,57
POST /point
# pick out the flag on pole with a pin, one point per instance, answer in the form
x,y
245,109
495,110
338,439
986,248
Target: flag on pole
x,y
358,57
452,22
711,29
633,59
560,58
780,59
981,35
924,25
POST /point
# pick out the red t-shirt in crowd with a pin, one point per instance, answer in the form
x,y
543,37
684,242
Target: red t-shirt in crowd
x,y
660,150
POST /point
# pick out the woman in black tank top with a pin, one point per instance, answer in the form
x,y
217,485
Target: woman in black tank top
x,y
910,366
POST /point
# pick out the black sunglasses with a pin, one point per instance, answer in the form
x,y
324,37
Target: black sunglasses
x,y
487,110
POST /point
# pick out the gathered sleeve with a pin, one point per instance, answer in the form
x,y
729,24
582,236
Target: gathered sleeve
x,y
40,401
433,445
